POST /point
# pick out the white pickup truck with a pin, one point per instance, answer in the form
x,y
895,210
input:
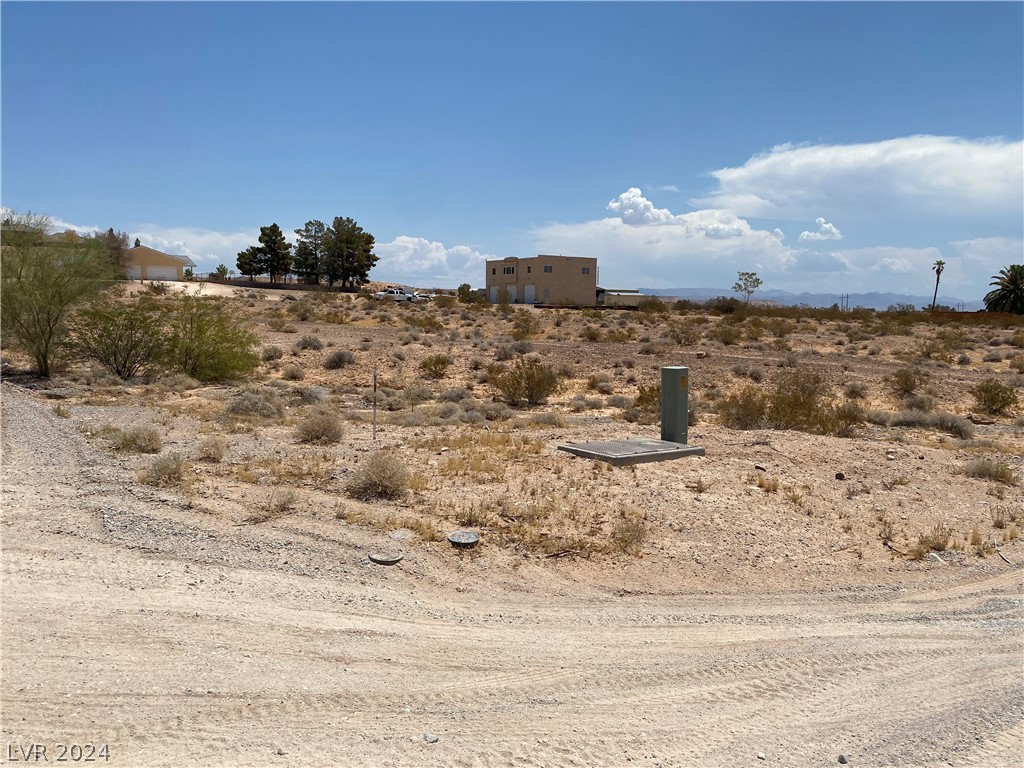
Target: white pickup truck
x,y
395,294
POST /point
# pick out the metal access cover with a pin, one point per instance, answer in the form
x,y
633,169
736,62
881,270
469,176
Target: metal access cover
x,y
632,451
463,539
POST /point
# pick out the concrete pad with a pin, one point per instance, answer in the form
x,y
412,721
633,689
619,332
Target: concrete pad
x,y
631,451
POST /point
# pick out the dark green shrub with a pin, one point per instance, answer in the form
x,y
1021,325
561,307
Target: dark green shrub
x,y
905,381
209,343
126,339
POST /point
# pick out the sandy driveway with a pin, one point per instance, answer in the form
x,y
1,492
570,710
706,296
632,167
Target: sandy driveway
x,y
132,620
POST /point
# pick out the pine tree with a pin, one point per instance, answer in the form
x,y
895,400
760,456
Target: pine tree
x,y
250,262
348,253
277,252
309,250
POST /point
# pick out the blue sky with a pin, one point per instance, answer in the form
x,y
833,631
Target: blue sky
x,y
827,146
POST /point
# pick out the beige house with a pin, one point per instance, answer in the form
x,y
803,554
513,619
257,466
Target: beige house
x,y
569,280
146,263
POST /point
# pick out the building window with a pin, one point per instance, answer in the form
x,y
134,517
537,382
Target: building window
x,y
494,271
586,270
547,268
508,270
529,270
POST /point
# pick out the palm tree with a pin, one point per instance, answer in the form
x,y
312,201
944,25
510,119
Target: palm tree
x,y
1008,295
938,266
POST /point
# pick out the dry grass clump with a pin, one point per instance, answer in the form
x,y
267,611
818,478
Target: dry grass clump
x,y
165,471
934,540
629,533
281,502
994,397
905,382
293,373
139,439
380,476
255,405
950,423
213,449
320,426
988,469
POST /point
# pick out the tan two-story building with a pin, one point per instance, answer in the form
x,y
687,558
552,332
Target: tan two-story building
x,y
567,280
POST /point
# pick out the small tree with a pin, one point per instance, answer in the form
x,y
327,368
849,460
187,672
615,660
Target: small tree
x,y
126,339
42,280
251,262
748,283
465,294
222,271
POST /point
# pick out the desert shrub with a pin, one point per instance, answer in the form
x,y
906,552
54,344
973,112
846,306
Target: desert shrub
x,y
320,426
309,341
281,502
855,390
799,401
213,449
138,439
525,324
646,406
934,540
255,404
165,471
1017,363
746,408
208,342
126,339
528,380
905,381
994,397
628,535
311,395
988,469
455,395
271,352
601,383
380,476
435,366
339,359
726,333
925,403
955,425
723,305
293,373
591,333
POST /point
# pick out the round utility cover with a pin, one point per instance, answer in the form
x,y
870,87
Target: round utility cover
x,y
463,539
385,558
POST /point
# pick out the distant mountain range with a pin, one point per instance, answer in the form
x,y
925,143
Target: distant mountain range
x,y
874,300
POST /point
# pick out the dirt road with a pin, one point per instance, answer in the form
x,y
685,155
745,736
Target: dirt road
x,y
134,620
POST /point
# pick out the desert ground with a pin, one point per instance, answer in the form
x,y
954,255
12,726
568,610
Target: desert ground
x,y
793,598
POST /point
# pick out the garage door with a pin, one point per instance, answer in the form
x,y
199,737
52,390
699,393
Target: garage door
x,y
161,273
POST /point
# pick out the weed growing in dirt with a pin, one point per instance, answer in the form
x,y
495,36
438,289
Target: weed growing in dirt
x,y
988,469
213,450
164,471
281,502
319,427
380,476
139,439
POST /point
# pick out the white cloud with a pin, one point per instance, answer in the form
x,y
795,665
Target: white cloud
x,y
662,188
825,231
428,263
207,248
932,175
